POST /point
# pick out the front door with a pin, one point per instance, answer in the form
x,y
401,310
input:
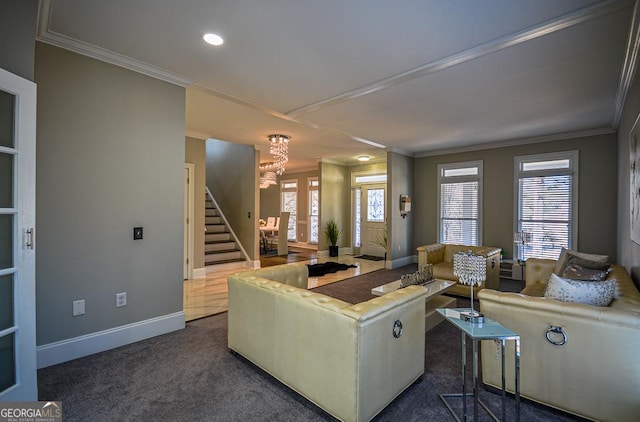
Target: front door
x,y
373,226
18,378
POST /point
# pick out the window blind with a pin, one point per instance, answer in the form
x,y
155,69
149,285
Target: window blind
x,y
459,213
545,211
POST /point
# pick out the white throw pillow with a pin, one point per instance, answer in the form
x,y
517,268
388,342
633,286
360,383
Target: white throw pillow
x,y
597,293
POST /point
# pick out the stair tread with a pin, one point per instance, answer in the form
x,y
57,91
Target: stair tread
x,y
221,251
225,261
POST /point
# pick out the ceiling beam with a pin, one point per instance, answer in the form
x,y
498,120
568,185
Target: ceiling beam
x,y
545,28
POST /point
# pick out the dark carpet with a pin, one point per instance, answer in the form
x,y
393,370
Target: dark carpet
x,y
189,375
318,270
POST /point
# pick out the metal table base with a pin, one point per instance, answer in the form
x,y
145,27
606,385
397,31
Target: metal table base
x,y
488,330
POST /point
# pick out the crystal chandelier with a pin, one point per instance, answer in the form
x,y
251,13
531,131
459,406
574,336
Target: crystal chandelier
x,y
280,151
267,175
471,270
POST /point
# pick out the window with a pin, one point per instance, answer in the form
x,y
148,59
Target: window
x,y
546,192
289,196
460,203
375,205
370,178
314,209
357,217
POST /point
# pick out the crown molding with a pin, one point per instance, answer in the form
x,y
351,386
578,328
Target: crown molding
x,y
400,151
521,141
46,35
196,135
629,66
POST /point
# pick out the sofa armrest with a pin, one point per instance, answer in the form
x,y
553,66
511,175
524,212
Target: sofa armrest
x,y
388,360
595,374
538,271
489,251
374,307
430,254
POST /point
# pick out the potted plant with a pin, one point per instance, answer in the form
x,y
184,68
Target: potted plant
x,y
333,233
381,240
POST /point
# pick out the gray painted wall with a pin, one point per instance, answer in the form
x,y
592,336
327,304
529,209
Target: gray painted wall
x,y
335,202
399,230
270,201
110,157
628,251
18,36
597,192
195,154
232,178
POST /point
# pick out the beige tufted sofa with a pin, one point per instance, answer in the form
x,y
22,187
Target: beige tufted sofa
x,y
342,357
441,256
596,373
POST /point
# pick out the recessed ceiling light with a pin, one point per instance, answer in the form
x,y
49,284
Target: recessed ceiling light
x,y
364,158
213,39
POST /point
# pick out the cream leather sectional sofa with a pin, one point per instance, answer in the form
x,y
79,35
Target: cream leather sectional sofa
x,y
347,359
440,255
596,373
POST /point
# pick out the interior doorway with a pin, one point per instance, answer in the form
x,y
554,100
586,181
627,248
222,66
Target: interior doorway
x,y
18,376
369,220
187,261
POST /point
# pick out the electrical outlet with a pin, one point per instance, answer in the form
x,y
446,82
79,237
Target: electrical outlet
x,y
121,299
78,307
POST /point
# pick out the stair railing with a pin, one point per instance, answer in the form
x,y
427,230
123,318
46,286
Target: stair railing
x,y
233,235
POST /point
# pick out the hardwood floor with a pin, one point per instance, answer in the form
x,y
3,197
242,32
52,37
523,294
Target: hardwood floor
x,y
208,295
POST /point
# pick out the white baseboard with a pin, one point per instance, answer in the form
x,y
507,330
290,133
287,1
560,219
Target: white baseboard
x,y
77,347
400,262
199,272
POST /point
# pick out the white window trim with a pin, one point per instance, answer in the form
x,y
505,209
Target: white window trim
x,y
573,170
311,188
282,190
460,179
381,173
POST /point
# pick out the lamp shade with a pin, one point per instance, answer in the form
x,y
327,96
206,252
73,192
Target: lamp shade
x,y
469,268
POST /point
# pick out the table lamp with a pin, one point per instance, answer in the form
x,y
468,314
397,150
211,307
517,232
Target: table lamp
x,y
472,270
522,238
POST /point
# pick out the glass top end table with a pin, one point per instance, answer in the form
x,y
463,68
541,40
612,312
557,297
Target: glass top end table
x,y
478,331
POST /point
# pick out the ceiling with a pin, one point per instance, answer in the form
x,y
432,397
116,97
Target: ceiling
x,y
360,77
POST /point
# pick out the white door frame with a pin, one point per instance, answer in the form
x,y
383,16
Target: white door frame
x,y
22,272
364,180
188,221
366,247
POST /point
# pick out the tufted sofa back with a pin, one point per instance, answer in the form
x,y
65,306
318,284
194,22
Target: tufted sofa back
x,y
293,275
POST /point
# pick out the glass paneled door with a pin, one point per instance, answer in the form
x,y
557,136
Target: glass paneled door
x,y
373,226
17,250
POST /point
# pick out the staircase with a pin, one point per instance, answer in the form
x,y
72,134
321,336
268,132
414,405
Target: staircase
x,y
219,245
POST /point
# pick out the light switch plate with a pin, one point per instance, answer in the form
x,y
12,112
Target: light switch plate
x,y
137,233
